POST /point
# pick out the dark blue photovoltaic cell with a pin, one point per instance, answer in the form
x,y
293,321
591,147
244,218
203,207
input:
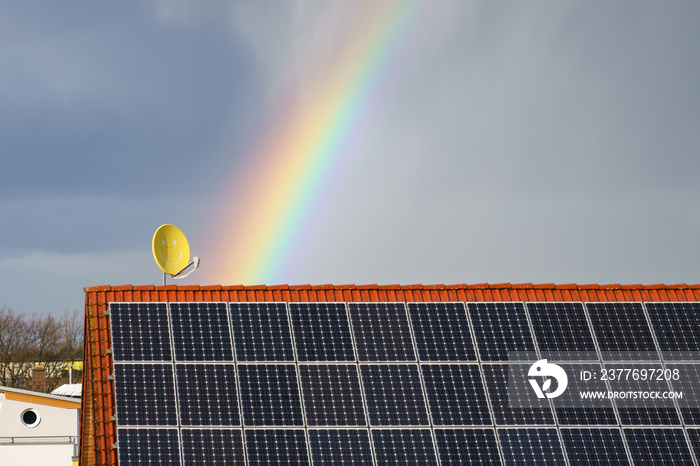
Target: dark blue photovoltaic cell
x,y
140,332
531,446
455,395
676,326
261,332
404,447
270,395
321,332
441,331
381,332
694,437
688,382
148,446
394,395
500,328
207,394
340,446
201,332
571,409
332,395
212,446
658,446
511,407
467,446
145,394
562,331
594,447
276,447
622,328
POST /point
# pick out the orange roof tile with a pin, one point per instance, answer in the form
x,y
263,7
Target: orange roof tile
x,y
99,430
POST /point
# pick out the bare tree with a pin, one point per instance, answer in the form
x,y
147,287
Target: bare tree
x,y
45,340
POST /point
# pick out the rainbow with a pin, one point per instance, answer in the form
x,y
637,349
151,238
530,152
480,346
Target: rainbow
x,y
311,132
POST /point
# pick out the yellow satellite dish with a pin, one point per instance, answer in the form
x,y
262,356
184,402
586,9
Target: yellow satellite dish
x,y
171,249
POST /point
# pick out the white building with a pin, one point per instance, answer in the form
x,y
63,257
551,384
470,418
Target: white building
x,y
37,428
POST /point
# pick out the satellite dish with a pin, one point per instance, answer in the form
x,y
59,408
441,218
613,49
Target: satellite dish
x,y
171,249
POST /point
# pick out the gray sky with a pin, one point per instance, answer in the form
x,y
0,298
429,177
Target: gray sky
x,y
522,142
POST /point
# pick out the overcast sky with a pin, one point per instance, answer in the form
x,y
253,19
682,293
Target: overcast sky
x,y
521,142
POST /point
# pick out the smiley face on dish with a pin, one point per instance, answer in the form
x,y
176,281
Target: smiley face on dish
x,y
170,249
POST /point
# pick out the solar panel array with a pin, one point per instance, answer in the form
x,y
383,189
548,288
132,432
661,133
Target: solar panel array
x,y
398,383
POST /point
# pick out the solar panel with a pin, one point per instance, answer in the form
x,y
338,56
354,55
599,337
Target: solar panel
x,y
140,332
455,394
381,332
441,331
594,446
685,378
212,446
401,383
413,446
622,331
340,446
571,409
500,330
658,446
321,332
270,395
207,395
394,395
694,438
198,323
676,326
261,332
332,395
276,447
467,446
531,446
145,394
562,332
514,407
148,446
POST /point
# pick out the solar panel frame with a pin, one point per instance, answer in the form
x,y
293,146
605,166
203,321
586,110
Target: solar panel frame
x,y
365,403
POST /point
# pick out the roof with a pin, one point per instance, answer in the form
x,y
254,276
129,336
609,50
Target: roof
x,y
98,430
73,390
39,398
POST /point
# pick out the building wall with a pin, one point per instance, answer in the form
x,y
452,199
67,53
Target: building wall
x,y
51,441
